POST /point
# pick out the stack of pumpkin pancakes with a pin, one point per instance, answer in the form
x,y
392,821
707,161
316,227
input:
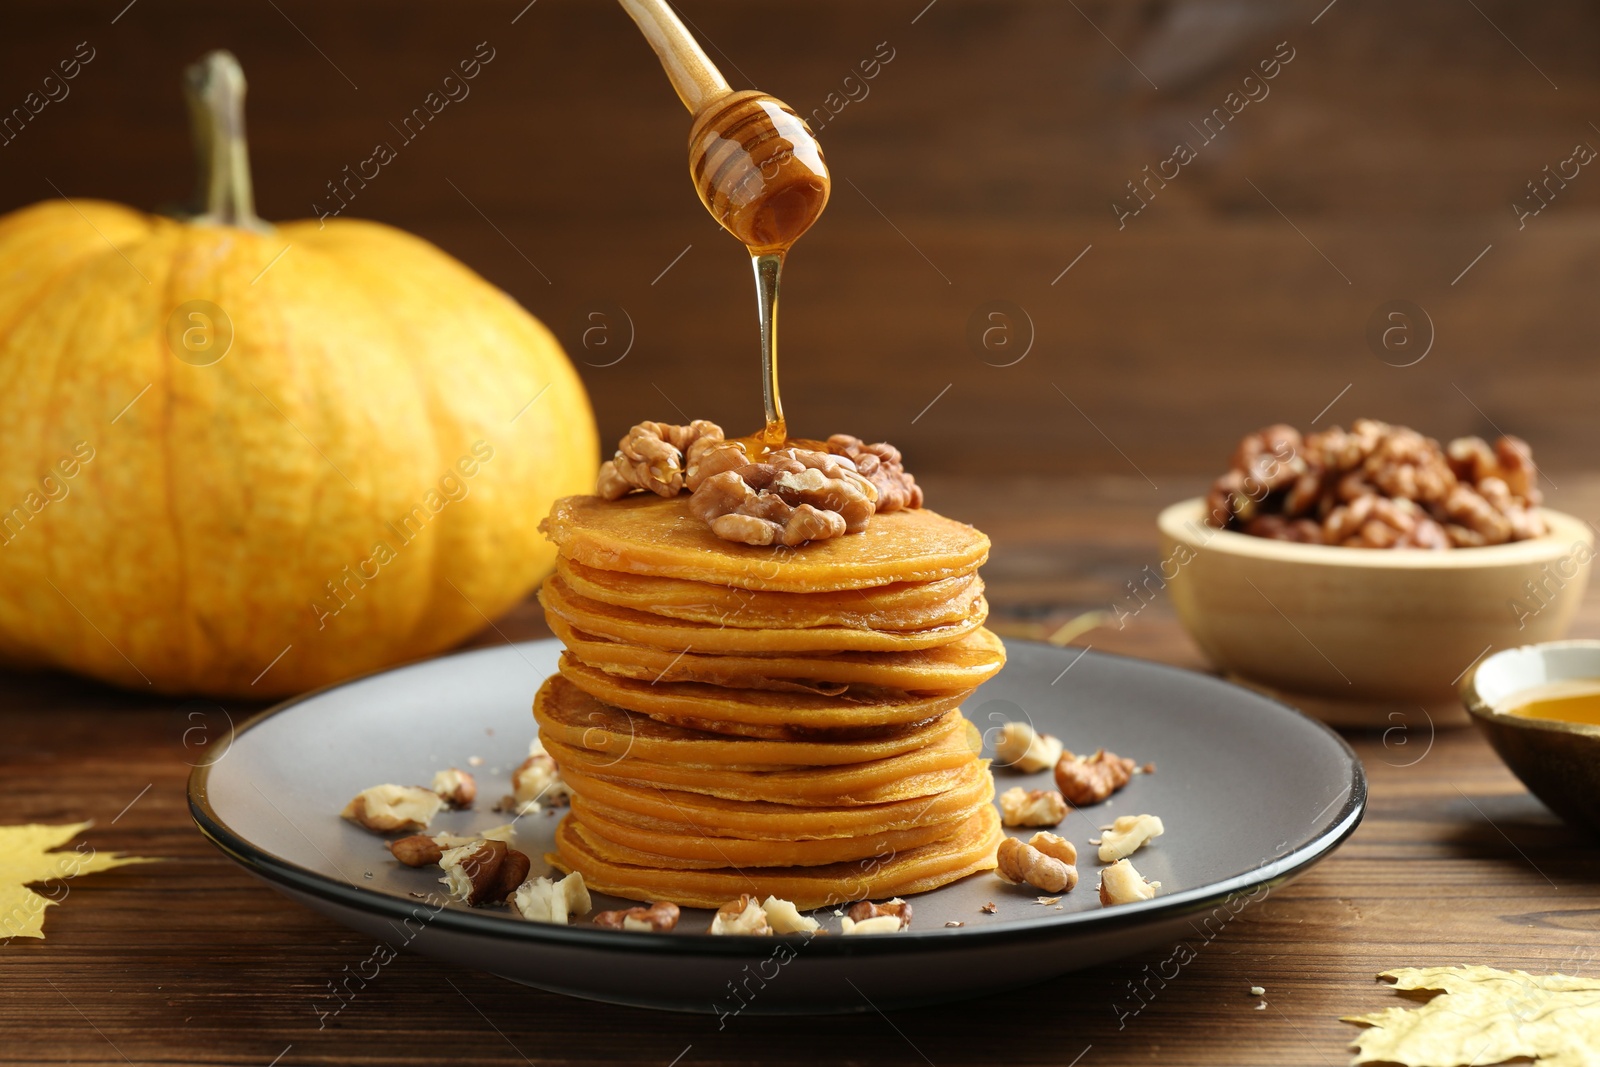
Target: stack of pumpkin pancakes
x,y
737,719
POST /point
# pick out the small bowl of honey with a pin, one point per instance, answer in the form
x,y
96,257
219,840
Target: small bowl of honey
x,y
1539,706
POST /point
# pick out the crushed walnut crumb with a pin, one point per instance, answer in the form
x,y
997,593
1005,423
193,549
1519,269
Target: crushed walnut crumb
x,y
1127,835
389,808
1032,807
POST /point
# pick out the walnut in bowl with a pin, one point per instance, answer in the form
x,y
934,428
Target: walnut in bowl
x,y
1367,637
1378,486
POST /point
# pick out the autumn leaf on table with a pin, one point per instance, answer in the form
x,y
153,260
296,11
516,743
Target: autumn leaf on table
x,y
26,859
1485,1016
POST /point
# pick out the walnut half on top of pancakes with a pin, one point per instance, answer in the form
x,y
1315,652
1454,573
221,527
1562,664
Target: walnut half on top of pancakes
x,y
788,497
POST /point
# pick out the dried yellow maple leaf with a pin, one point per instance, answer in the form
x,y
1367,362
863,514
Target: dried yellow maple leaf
x,y
1485,1016
26,859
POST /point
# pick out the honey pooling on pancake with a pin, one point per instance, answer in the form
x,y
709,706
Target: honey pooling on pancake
x,y
760,718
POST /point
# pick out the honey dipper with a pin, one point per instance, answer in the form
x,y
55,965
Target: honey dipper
x,y
754,162
755,165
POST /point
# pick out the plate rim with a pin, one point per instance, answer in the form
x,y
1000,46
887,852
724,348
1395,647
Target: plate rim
x,y
284,872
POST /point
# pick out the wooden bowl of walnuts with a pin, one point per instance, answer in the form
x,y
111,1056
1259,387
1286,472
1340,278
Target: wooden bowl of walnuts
x,y
1358,574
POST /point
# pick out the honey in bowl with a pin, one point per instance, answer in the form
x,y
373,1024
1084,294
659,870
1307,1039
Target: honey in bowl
x,y
1573,701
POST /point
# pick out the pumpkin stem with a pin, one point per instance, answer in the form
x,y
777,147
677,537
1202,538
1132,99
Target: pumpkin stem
x,y
214,88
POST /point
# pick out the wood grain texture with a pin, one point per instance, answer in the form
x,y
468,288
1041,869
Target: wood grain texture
x,y
975,165
192,961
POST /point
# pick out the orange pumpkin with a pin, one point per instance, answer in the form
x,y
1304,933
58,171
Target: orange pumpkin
x,y
246,460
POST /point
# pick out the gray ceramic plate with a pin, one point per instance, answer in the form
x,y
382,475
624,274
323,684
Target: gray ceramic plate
x,y
1252,794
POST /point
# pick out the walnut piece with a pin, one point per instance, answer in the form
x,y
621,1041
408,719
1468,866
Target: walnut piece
x,y
1475,521
785,918
866,912
1228,500
513,872
458,788
421,850
387,808
1032,807
653,456
485,872
882,465
1085,780
1021,747
446,839
1373,521
794,496
1335,451
713,458
1408,466
1121,884
1280,528
418,850
1019,862
1127,834
558,902
657,918
1471,459
1054,846
537,779
1270,458
742,916
1514,459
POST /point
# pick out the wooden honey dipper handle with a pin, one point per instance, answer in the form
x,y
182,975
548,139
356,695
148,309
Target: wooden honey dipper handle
x,y
693,75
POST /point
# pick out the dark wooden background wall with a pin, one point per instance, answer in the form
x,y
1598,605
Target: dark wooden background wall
x,y
983,159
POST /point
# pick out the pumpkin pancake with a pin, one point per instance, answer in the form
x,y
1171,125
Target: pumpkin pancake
x,y
622,843
756,731
569,715
901,606
967,851
759,820
651,535
696,702
960,665
639,627
602,815
929,771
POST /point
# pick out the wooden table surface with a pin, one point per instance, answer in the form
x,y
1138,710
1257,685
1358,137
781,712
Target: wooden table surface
x,y
193,961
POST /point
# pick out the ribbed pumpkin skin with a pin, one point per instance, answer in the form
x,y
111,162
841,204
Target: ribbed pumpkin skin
x,y
196,545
